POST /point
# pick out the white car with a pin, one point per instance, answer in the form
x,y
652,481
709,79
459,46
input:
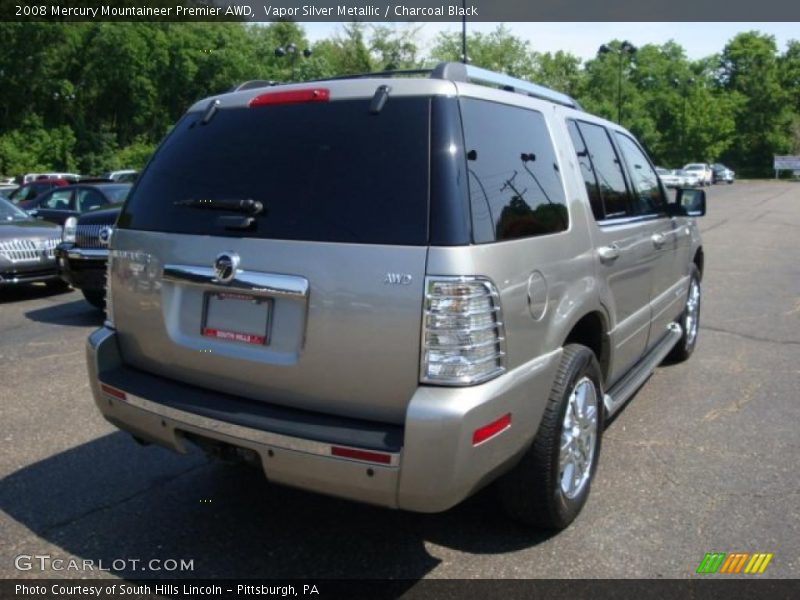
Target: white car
x,y
124,175
669,178
688,178
703,170
28,177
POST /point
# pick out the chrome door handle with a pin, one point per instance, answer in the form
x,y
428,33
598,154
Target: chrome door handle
x,y
608,254
658,239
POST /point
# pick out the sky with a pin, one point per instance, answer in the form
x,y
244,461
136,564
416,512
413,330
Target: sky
x,y
583,39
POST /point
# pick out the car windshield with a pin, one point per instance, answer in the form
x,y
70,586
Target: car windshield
x,y
661,171
9,212
694,167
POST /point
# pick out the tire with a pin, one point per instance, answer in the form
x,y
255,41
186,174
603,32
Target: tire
x,y
689,320
95,298
532,492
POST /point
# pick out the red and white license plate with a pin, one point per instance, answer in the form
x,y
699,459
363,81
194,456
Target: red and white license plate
x,y
237,318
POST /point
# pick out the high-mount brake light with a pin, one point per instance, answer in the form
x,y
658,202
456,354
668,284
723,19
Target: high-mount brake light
x,y
290,97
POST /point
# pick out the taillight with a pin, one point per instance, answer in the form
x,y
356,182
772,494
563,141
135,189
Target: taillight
x,y
462,331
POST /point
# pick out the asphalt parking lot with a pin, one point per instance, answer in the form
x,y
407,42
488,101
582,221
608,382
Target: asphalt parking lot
x,y
704,458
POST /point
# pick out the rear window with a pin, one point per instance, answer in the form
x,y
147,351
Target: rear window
x,y
515,185
329,172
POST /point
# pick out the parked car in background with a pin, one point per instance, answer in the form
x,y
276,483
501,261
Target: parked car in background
x,y
705,175
668,178
83,252
30,191
29,177
60,204
128,177
722,174
122,176
688,178
27,248
7,190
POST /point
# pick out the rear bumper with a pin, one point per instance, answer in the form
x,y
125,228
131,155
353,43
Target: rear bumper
x,y
429,464
82,268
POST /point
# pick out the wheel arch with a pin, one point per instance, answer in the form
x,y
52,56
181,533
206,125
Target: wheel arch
x,y
591,331
699,260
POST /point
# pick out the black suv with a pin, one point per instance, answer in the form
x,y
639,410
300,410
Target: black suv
x,y
83,252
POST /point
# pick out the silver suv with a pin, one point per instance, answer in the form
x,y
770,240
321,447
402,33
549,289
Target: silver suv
x,y
397,289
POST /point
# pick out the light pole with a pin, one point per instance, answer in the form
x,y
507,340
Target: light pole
x,y
291,51
625,48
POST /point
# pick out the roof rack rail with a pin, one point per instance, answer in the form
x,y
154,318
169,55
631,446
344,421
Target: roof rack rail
x,y
398,72
454,71
255,83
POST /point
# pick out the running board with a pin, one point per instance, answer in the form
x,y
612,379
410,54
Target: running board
x,y
621,391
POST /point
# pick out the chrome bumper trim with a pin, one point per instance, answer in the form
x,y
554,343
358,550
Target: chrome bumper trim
x,y
268,284
87,254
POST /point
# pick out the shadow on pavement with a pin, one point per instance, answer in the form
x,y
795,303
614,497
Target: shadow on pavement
x,y
110,499
30,291
77,313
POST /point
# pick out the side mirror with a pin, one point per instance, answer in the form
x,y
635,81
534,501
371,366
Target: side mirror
x,y
689,202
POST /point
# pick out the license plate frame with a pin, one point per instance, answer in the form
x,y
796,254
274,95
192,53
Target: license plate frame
x,y
228,326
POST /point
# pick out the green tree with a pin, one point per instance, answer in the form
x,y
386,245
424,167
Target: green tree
x,y
32,147
134,155
346,52
394,47
789,69
749,72
498,50
94,96
561,71
669,102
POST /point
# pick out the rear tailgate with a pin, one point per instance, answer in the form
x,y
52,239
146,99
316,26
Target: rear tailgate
x,y
323,307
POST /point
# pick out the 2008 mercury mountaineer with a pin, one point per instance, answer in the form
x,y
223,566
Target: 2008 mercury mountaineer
x,y
397,289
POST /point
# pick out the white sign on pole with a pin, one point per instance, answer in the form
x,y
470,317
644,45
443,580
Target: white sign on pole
x,y
787,163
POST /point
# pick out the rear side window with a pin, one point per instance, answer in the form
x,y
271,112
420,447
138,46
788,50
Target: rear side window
x,y
587,171
647,196
607,169
58,200
515,185
28,192
117,193
88,199
329,172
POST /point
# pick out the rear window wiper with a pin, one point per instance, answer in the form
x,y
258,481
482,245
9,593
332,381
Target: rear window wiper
x,y
242,205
